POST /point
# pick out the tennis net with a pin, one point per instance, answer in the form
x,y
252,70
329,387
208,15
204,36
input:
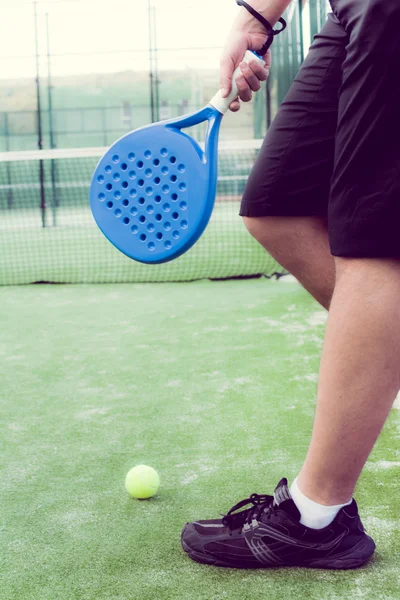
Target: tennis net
x,y
47,232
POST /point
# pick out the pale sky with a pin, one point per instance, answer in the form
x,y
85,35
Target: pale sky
x,y
98,36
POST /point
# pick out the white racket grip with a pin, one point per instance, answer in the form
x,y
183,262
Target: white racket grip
x,y
222,104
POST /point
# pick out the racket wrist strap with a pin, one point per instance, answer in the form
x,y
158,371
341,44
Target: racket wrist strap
x,y
271,33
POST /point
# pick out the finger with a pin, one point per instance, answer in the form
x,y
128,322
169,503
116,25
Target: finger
x,y
260,71
244,91
234,106
267,58
250,77
226,72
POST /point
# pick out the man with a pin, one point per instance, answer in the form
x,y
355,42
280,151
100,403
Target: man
x,y
324,200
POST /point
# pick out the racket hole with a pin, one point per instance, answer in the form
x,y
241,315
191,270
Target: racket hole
x,y
163,151
100,178
167,225
124,167
165,189
132,174
172,160
126,220
124,184
142,201
116,176
174,197
158,217
168,245
150,227
125,202
147,154
142,219
101,197
141,182
115,158
156,162
134,228
117,195
159,235
109,186
148,172
151,246
157,198
181,168
173,178
166,207
118,212
107,169
184,224
131,156
139,164
175,215
183,205
157,180
133,192
134,211
164,170
110,204
176,235
143,237
182,186
149,191
150,209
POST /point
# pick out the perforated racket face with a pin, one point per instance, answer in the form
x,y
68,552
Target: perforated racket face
x,y
150,194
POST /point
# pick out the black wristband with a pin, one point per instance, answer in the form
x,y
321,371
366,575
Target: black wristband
x,y
271,32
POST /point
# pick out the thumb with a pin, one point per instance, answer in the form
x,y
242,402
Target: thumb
x,y
226,72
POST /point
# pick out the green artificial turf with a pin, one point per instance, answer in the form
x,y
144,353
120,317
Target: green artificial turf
x,y
211,383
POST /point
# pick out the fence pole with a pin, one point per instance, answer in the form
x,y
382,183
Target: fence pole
x,y
55,200
152,106
156,80
314,21
301,2
39,122
8,165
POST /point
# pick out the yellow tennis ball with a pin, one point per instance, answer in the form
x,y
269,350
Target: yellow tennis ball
x,y
142,482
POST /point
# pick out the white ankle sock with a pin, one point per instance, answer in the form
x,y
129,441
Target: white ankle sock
x,y
314,515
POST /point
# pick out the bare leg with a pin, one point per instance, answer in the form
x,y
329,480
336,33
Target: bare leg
x,y
359,377
300,245
360,371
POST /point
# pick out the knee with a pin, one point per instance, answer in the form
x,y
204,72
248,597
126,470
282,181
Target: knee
x,y
261,228
277,234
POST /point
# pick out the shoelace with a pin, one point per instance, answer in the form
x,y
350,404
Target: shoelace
x,y
236,520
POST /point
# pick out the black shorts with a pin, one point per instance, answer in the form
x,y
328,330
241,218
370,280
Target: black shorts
x,y
333,149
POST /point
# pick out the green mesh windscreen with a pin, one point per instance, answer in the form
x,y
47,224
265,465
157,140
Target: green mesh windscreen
x,y
47,232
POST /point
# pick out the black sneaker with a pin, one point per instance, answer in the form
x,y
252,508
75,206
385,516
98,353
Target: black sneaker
x,y
269,534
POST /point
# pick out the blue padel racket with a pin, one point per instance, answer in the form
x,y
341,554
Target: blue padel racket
x,y
153,191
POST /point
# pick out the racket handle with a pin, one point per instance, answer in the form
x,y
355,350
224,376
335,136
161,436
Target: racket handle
x,y
222,104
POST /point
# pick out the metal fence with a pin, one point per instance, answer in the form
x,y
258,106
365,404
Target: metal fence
x,y
94,110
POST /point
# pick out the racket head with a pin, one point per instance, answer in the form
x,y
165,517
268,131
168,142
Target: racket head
x,y
153,191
